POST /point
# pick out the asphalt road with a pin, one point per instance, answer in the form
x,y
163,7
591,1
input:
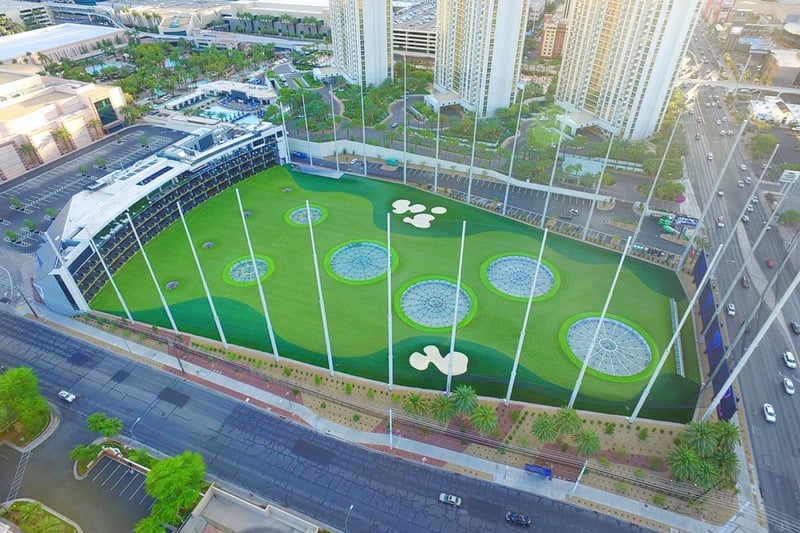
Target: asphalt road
x,y
279,460
774,446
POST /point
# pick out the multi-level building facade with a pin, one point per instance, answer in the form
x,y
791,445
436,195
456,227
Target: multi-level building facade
x,y
361,35
478,53
554,31
621,61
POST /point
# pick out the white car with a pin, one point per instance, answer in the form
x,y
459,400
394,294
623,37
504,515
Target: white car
x,y
750,208
742,167
449,499
754,199
710,156
354,161
745,219
788,386
720,193
769,412
748,180
720,222
789,359
731,309
740,184
66,396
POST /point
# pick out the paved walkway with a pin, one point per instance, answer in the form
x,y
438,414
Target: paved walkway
x,y
500,473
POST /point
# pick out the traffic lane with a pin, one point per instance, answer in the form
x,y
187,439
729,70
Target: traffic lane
x,y
317,482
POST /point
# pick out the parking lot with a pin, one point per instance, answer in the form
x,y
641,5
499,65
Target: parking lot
x,y
121,481
42,192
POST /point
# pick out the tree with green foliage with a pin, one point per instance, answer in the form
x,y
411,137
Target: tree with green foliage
x,y
19,394
175,484
700,436
762,145
790,217
567,421
149,524
465,399
484,418
442,408
544,428
587,441
106,426
85,454
683,462
415,404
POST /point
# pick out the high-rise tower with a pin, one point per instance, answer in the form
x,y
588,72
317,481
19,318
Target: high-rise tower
x,y
361,35
478,53
621,61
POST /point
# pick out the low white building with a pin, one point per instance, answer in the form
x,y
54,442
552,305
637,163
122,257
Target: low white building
x,y
54,43
96,220
773,110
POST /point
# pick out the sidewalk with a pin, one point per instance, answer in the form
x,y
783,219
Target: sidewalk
x,y
648,516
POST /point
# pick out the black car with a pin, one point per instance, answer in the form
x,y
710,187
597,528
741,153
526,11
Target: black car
x,y
795,327
518,518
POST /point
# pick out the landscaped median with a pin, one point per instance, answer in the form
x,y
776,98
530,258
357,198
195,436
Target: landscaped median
x,y
31,515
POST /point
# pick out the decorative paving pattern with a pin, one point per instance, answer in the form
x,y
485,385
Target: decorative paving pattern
x,y
431,355
620,349
242,270
513,275
359,261
430,303
299,215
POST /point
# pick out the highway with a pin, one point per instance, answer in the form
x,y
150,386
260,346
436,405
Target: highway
x,y
279,460
775,448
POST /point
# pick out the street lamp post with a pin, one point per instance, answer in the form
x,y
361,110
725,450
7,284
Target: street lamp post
x,y
347,517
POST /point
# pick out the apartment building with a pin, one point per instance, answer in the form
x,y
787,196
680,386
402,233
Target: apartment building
x,y
621,62
478,53
361,34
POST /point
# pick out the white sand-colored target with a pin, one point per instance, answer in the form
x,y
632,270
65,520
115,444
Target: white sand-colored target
x,y
422,220
433,355
402,206
438,210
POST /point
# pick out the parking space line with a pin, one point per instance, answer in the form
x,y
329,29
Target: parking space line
x,y
110,475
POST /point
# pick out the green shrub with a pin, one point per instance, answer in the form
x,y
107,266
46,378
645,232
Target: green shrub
x,y
655,463
622,488
348,388
323,405
356,418
643,434
604,461
513,416
287,371
638,472
660,500
610,427
370,393
317,380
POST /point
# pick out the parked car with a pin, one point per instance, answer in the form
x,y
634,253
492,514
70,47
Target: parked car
x,y
746,282
745,219
788,386
731,309
518,518
789,359
354,161
449,499
720,222
748,180
795,325
769,412
66,396
770,263
742,167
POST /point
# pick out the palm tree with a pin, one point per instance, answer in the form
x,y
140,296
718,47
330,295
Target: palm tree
x,y
700,436
727,464
64,138
29,151
587,441
484,418
567,421
544,428
727,435
442,408
707,475
683,462
465,399
415,404
94,125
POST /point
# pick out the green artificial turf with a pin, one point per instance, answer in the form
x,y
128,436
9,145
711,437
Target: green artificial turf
x,y
355,210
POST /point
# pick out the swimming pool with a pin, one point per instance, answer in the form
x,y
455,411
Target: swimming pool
x,y
221,113
248,119
95,69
